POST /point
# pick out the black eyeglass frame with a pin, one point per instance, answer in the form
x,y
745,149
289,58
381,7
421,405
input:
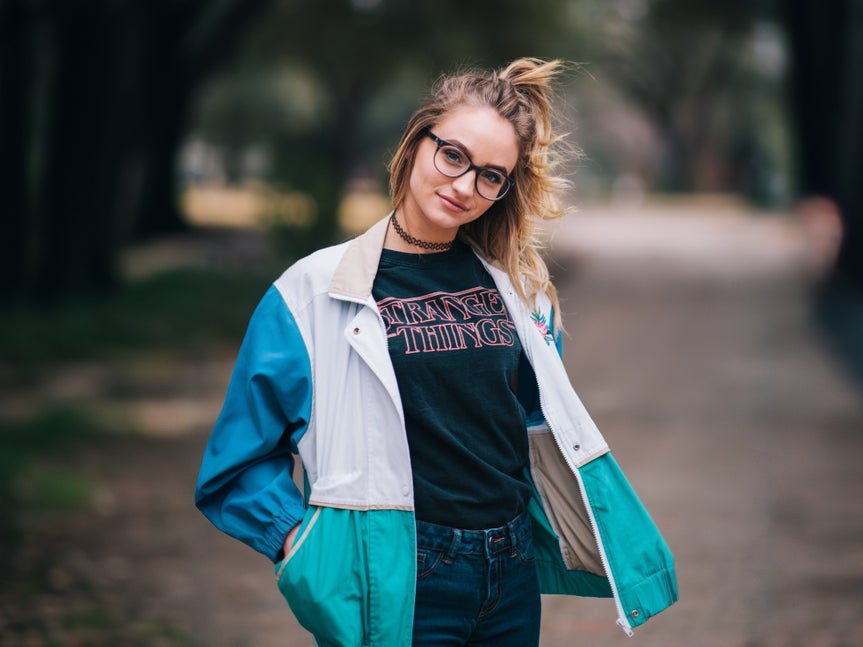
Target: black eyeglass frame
x,y
509,182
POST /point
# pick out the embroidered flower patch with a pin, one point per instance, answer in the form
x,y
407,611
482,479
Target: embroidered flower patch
x,y
542,324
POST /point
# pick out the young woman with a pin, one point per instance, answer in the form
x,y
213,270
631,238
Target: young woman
x,y
451,472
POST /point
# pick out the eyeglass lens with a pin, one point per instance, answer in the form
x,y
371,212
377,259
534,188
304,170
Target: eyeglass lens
x,y
453,162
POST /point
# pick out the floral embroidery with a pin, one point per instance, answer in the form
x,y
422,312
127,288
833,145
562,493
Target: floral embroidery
x,y
542,324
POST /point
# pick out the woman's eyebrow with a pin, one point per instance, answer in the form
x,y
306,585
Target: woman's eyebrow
x,y
456,142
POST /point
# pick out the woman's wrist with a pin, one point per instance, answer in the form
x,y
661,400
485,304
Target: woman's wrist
x,y
289,539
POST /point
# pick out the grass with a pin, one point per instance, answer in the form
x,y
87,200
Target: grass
x,y
178,312
30,476
45,487
39,480
92,624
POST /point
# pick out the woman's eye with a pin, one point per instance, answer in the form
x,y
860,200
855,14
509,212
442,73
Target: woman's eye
x,y
492,178
452,155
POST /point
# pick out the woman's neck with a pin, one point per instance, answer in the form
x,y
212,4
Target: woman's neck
x,y
401,238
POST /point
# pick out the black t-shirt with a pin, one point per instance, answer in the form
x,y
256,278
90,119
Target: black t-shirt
x,y
456,355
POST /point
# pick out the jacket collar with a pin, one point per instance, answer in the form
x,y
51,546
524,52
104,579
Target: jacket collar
x,y
355,273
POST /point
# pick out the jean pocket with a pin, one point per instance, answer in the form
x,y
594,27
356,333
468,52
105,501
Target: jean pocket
x,y
428,560
524,550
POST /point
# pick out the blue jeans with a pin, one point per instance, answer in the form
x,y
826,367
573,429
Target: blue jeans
x,y
476,587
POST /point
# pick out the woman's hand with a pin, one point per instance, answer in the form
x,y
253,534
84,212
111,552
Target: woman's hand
x,y
289,540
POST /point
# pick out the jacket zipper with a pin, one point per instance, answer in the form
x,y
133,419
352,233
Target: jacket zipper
x,y
622,621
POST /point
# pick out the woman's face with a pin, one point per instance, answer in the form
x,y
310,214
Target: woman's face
x,y
436,205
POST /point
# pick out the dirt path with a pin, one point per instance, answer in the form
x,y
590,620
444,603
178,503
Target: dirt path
x,y
692,344
734,421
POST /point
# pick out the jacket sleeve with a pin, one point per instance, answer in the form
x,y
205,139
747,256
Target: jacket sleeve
x,y
245,487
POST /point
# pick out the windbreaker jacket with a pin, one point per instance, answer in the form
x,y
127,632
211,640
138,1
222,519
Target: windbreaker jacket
x,y
314,378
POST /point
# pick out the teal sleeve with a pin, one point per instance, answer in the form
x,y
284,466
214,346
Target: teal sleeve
x,y
639,559
245,485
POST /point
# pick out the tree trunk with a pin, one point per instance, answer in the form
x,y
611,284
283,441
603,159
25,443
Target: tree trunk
x,y
163,83
76,250
827,65
93,101
15,111
850,145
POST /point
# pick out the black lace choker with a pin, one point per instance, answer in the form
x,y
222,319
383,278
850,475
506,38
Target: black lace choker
x,y
416,242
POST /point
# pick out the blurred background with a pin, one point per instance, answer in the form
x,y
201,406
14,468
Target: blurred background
x,y
161,161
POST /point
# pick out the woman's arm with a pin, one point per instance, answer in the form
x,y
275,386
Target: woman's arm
x,y
245,485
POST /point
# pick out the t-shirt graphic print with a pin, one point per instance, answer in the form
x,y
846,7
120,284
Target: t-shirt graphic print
x,y
456,354
443,321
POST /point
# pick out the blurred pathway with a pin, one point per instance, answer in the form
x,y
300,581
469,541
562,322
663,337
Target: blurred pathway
x,y
692,344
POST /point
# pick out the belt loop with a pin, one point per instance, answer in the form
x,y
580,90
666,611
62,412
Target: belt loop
x,y
512,538
488,540
453,547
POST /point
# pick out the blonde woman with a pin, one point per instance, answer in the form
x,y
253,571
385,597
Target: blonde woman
x,y
451,473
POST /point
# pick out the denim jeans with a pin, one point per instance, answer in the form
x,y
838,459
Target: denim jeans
x,y
476,587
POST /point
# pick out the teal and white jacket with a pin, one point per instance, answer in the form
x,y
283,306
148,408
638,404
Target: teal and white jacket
x,y
314,378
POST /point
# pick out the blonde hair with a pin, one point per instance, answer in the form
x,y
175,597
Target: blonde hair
x,y
506,234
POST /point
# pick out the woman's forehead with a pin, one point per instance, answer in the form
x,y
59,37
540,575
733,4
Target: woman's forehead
x,y
486,136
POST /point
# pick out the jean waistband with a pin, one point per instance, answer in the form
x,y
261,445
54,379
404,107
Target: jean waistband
x,y
490,541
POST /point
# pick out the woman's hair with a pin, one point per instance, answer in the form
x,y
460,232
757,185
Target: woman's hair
x,y
507,233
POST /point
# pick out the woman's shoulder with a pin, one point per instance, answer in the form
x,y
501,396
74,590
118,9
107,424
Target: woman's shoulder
x,y
311,274
325,259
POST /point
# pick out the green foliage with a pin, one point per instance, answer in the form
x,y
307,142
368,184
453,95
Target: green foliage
x,y
329,85
706,81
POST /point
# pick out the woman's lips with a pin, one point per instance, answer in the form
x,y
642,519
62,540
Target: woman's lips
x,y
452,203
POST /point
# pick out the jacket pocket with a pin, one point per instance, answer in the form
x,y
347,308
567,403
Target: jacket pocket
x,y
306,526
323,577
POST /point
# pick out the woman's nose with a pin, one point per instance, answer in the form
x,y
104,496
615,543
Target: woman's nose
x,y
466,183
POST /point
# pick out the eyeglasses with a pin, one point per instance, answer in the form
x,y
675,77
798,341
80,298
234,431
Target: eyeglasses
x,y
452,161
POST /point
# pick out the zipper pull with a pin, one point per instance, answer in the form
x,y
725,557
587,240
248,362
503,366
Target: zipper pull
x,y
624,625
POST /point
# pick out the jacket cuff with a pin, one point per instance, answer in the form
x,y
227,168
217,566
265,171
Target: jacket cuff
x,y
274,540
